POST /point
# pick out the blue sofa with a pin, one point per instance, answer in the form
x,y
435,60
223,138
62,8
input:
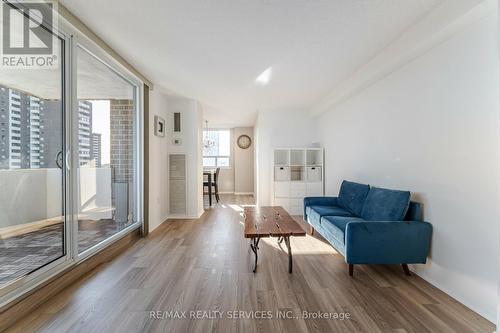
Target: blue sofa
x,y
370,225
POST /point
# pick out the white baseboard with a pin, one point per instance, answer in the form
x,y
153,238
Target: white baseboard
x,y
235,193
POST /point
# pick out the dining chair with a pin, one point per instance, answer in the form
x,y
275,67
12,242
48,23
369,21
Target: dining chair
x,y
216,184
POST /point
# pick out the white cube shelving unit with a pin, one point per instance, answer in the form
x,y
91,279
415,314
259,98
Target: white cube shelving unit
x,y
298,173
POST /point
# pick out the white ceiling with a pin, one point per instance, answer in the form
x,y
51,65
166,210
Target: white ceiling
x,y
95,80
214,50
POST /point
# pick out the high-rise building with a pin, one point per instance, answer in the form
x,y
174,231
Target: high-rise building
x,y
19,130
84,130
34,146
4,128
24,143
31,133
95,149
14,126
51,124
52,139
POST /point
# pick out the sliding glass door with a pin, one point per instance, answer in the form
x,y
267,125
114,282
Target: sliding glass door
x,y
32,165
106,123
70,157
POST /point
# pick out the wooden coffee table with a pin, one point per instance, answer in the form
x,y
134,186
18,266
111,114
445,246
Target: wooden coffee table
x,y
270,221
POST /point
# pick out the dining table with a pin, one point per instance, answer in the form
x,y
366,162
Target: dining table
x,y
210,174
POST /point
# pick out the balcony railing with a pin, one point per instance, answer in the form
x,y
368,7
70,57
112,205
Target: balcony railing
x,y
42,189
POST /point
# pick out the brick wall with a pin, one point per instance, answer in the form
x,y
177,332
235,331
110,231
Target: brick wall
x,y
122,133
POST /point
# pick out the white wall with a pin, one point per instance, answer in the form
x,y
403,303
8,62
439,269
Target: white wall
x,y
274,129
198,166
243,162
19,187
42,189
226,175
432,128
191,136
498,181
226,180
54,192
158,157
239,178
94,192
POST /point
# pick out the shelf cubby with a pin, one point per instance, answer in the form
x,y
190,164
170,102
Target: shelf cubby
x,y
297,157
314,174
314,157
297,173
281,157
282,173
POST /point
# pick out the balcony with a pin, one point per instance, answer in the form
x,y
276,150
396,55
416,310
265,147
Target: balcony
x,y
41,221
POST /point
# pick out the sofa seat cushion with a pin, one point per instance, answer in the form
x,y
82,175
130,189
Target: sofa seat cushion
x,y
336,225
316,212
385,205
352,196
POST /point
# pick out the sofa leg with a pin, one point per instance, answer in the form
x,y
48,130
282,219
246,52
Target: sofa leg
x,y
312,230
406,269
351,269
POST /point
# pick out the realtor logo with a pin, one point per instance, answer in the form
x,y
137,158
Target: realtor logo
x,y
27,38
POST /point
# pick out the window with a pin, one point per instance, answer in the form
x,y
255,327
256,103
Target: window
x,y
219,153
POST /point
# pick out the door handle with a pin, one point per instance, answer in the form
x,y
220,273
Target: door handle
x,y
68,159
59,159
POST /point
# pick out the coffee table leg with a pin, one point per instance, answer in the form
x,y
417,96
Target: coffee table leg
x,y
290,264
254,245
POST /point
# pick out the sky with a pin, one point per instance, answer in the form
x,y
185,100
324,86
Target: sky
x,y
101,125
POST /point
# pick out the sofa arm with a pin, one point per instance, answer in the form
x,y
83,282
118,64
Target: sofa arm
x,y
318,201
400,242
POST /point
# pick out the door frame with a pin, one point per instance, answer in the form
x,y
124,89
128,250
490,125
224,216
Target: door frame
x,y
28,282
80,40
71,38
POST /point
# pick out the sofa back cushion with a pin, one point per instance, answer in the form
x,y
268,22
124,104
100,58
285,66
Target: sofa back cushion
x,y
385,205
414,212
352,196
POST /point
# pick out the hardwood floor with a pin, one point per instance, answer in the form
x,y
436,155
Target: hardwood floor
x,y
206,264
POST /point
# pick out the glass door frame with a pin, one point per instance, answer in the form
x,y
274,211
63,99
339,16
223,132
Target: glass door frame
x,y
71,38
100,55
26,283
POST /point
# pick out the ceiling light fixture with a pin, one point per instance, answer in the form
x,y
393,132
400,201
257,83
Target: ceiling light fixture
x,y
207,142
264,77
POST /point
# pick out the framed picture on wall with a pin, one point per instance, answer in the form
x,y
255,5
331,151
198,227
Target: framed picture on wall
x,y
159,126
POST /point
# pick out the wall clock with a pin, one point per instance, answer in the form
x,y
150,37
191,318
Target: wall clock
x,y
244,141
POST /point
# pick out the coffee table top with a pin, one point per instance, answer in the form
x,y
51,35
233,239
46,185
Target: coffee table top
x,y
270,221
